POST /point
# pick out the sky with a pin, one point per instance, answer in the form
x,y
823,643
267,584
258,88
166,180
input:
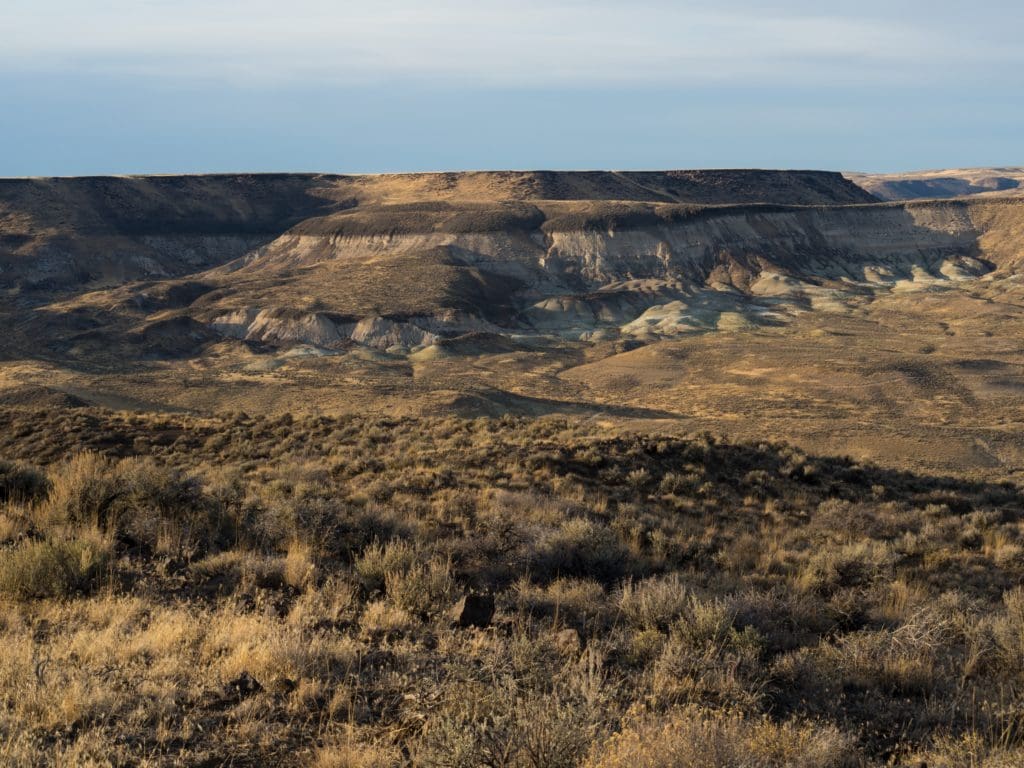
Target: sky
x,y
169,86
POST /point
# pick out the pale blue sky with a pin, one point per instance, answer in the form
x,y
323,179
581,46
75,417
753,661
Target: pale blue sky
x,y
134,86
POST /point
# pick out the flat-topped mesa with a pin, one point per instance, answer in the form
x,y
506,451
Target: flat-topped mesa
x,y
269,202
702,187
600,269
403,262
60,234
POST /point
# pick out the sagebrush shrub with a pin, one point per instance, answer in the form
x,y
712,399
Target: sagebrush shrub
x,y
21,483
421,588
580,547
136,496
83,492
38,569
861,564
378,560
707,660
653,603
161,505
502,725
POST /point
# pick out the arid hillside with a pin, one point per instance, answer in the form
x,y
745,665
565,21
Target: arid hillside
x,y
67,232
954,182
427,593
884,330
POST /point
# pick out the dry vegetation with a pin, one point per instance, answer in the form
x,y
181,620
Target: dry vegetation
x,y
249,591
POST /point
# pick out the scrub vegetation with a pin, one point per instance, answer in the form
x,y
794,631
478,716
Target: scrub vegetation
x,y
359,591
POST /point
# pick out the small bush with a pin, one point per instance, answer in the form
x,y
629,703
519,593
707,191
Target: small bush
x,y
582,548
568,602
380,617
155,504
38,569
327,526
653,603
300,569
862,564
158,503
501,726
237,568
974,750
21,483
378,560
350,754
422,588
707,660
83,493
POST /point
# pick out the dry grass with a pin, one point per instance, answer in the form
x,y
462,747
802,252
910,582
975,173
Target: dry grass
x,y
279,591
53,568
695,738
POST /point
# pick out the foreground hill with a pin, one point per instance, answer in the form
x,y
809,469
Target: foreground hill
x,y
415,593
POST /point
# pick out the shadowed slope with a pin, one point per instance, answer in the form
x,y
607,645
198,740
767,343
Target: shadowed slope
x,y
957,182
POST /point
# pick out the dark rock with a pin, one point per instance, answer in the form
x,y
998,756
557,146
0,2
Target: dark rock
x,y
133,546
628,345
474,610
243,686
173,566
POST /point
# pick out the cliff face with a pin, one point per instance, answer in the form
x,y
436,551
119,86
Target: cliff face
x,y
591,273
404,262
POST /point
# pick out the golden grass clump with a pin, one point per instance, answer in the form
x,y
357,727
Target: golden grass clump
x,y
694,737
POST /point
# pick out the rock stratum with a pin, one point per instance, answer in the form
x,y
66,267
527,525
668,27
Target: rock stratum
x,y
808,302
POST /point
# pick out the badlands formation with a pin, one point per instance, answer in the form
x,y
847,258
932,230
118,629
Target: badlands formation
x,y
842,316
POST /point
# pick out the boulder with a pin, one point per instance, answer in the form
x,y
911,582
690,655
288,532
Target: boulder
x,y
243,686
474,610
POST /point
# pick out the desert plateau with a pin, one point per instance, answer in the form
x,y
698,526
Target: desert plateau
x,y
518,469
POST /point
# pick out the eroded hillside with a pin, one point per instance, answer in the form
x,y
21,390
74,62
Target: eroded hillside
x,y
58,233
748,302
